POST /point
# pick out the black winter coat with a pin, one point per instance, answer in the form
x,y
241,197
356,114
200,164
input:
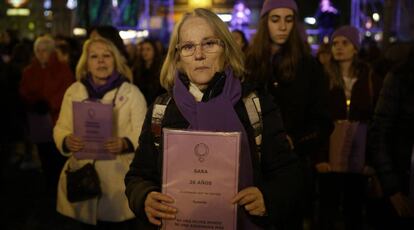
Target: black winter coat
x,y
303,103
277,174
392,131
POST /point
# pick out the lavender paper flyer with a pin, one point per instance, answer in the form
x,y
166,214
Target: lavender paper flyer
x,y
92,121
200,171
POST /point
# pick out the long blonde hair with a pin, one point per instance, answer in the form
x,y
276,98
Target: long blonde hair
x,y
120,62
233,56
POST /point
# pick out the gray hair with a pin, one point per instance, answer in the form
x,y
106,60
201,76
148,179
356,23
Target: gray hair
x,y
45,40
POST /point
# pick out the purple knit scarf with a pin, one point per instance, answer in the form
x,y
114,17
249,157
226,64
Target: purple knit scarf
x,y
218,115
98,91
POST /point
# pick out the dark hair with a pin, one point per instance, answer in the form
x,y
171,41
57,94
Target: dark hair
x,y
244,39
259,54
112,34
333,70
64,48
22,53
139,64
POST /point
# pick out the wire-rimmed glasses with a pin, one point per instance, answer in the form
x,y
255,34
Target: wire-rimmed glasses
x,y
212,45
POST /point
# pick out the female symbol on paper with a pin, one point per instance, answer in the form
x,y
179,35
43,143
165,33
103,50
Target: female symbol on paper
x,y
91,113
201,151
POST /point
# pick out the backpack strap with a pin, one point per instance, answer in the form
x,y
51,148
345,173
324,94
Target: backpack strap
x,y
251,102
158,111
254,112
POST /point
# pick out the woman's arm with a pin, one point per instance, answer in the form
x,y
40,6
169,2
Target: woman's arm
x,y
143,176
283,183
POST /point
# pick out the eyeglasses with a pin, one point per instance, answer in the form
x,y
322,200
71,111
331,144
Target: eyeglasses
x,y
208,46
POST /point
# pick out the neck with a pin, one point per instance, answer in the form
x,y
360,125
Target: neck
x,y
99,81
345,68
148,64
275,48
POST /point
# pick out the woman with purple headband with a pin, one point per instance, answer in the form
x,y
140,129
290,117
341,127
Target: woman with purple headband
x,y
277,62
353,94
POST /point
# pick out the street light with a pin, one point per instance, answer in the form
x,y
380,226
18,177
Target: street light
x,y
199,3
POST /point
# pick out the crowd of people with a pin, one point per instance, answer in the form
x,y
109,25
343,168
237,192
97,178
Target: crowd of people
x,y
333,147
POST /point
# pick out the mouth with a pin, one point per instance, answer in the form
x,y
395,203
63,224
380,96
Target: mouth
x,y
201,68
281,36
102,68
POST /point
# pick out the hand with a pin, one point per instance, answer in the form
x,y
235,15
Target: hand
x,y
252,200
156,209
323,167
74,143
402,205
115,145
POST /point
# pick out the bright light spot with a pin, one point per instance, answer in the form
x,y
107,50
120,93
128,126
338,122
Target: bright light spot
x,y
368,34
311,40
18,12
47,13
31,26
378,37
133,34
47,4
376,17
225,17
310,20
16,3
393,39
368,24
326,39
200,3
77,31
115,3
128,34
72,4
142,34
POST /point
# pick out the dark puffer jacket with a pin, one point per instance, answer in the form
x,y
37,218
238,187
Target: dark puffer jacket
x,y
277,174
392,136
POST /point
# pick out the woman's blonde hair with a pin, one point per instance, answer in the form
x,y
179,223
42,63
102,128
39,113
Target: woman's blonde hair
x,y
233,56
119,61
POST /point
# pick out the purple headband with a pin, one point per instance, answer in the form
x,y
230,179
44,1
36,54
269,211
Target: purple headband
x,y
269,5
350,32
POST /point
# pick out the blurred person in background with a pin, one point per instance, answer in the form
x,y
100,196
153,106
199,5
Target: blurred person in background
x,y
42,87
112,34
324,54
147,69
391,147
240,39
353,93
16,123
8,40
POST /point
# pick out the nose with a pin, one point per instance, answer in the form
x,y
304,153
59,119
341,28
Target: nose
x,y
282,25
199,53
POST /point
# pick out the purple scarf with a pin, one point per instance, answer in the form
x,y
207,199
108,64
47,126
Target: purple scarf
x,y
218,115
98,91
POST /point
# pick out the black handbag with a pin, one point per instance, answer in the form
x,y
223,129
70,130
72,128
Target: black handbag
x,y
83,184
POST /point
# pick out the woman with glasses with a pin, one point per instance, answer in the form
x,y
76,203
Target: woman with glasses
x,y
203,69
